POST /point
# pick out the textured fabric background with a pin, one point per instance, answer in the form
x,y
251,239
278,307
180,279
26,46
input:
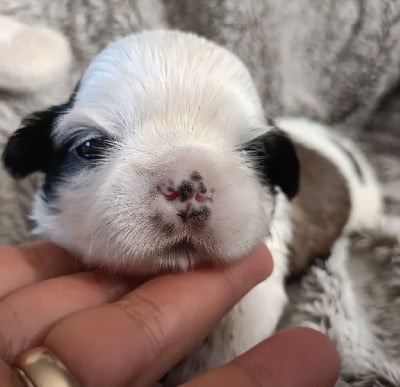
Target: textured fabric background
x,y
337,62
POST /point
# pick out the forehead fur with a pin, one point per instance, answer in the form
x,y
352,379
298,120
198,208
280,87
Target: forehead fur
x,y
168,79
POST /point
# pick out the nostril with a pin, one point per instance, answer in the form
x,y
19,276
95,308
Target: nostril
x,y
168,191
185,190
171,196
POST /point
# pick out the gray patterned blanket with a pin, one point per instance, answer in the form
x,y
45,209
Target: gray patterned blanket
x,y
337,62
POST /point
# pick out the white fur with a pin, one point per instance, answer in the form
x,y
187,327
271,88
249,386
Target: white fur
x,y
33,57
365,194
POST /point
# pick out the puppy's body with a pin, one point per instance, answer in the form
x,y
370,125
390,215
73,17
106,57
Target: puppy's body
x,y
163,160
338,191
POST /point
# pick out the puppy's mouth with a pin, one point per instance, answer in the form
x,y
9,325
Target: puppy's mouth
x,y
186,255
183,246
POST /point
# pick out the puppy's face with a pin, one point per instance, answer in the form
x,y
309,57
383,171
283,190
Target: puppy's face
x,y
161,160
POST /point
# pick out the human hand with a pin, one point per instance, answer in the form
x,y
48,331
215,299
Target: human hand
x,y
112,331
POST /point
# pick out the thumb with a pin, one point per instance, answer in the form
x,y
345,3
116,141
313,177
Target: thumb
x,y
297,357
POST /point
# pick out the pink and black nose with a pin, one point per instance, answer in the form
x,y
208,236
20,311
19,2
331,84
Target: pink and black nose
x,y
190,196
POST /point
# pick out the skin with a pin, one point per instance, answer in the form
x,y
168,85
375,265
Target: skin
x,y
122,331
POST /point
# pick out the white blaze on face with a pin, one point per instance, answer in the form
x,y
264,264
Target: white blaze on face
x,y
174,189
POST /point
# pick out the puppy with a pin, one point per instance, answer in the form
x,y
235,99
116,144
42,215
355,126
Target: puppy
x,y
163,160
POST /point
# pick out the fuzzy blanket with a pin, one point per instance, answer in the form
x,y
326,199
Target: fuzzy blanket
x,y
337,62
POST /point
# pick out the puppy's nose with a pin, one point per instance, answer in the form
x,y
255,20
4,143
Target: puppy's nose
x,y
186,190
189,198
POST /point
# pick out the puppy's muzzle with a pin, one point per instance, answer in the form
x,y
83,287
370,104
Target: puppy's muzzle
x,y
190,196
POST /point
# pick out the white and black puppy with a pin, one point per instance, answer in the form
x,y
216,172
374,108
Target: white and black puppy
x,y
163,159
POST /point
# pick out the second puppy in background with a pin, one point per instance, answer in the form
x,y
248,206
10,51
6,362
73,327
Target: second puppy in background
x,y
163,160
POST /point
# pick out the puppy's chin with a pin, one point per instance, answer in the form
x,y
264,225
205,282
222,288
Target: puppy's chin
x,y
181,257
165,262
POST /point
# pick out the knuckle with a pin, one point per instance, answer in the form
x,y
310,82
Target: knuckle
x,y
147,316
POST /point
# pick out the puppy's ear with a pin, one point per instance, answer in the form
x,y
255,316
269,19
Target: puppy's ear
x,y
30,149
274,157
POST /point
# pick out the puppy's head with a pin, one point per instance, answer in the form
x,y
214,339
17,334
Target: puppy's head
x,y
161,159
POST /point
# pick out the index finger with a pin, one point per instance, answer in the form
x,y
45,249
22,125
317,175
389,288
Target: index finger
x,y
31,263
146,333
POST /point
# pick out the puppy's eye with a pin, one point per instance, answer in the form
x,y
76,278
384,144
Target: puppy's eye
x,y
91,149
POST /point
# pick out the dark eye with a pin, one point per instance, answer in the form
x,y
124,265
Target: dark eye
x,y
91,149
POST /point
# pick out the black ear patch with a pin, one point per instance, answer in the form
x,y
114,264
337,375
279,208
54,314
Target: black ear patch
x,y
30,148
275,158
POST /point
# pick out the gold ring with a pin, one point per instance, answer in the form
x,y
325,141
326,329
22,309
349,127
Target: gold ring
x,y
39,367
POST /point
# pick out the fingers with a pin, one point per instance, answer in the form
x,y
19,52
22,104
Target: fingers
x,y
146,333
30,263
298,357
27,315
